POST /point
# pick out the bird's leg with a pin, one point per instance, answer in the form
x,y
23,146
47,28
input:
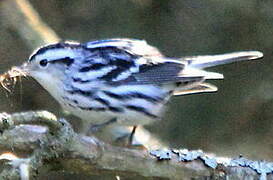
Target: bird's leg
x,y
122,135
131,137
97,127
127,138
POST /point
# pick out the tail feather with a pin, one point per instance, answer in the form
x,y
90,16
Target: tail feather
x,y
206,61
195,65
201,88
192,72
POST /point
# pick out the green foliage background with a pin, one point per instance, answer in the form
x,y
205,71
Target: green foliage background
x,y
235,120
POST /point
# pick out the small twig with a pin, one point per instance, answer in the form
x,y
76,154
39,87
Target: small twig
x,y
43,118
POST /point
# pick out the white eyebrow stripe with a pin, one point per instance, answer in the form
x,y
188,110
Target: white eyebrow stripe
x,y
54,54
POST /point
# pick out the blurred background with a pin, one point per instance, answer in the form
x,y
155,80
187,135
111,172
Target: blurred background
x,y
238,119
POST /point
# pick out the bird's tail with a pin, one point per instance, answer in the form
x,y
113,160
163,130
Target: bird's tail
x,y
201,62
196,64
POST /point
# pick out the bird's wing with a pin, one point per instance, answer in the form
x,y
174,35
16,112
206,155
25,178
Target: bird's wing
x,y
164,72
133,46
118,61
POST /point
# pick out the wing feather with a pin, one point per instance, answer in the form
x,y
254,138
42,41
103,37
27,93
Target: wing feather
x,y
132,62
134,46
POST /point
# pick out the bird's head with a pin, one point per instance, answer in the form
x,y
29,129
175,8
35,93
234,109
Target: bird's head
x,y
50,62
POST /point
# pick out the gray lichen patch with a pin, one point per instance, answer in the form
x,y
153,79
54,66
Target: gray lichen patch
x,y
161,154
261,167
184,155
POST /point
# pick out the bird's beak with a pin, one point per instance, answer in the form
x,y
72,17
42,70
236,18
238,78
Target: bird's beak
x,y
23,69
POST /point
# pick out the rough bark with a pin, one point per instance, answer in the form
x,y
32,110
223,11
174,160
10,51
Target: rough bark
x,y
59,144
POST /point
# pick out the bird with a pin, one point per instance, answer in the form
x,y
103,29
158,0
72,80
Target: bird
x,y
127,80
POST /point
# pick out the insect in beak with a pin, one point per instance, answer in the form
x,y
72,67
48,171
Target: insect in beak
x,y
9,78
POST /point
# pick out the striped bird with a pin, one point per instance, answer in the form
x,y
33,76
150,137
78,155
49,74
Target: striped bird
x,y
121,78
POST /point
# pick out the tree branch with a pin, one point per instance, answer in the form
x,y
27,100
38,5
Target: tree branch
x,y
87,155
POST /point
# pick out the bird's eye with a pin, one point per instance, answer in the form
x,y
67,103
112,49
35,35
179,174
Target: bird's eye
x,y
43,63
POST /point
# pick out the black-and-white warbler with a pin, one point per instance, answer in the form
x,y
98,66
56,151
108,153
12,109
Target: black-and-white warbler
x,y
123,78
